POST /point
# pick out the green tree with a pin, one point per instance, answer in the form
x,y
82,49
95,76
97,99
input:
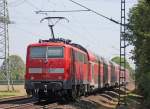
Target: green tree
x,y
16,66
139,36
117,61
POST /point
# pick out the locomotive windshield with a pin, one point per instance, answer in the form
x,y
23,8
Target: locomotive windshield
x,y
55,52
38,52
46,52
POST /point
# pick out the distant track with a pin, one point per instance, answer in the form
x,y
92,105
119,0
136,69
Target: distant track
x,y
19,102
11,99
19,106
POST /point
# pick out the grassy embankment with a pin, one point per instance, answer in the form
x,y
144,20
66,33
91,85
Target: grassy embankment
x,y
18,91
4,94
134,101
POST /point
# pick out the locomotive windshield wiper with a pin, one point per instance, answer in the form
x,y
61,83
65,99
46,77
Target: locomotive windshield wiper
x,y
46,59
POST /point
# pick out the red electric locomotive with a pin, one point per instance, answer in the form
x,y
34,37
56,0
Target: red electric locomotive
x,y
56,67
59,67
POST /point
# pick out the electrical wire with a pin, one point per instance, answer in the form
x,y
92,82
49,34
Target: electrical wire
x,y
72,11
69,28
72,31
62,11
79,34
84,29
95,12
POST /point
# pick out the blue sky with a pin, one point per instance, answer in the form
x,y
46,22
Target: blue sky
x,y
86,28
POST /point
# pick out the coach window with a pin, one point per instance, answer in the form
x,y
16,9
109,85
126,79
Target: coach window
x,y
85,59
76,55
113,69
92,71
105,71
81,57
78,59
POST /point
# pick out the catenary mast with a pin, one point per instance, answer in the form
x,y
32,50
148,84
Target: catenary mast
x,y
4,42
122,72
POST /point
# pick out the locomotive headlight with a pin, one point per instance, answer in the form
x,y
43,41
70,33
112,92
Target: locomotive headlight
x,y
60,77
32,78
56,70
35,70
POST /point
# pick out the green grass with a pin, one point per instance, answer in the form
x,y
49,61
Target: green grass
x,y
134,101
4,94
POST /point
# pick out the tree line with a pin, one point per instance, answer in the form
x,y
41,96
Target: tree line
x,y
138,35
16,68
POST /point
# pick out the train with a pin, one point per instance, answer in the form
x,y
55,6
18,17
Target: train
x,y
60,67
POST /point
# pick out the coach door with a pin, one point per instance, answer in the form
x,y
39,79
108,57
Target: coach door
x,y
99,74
72,68
92,73
105,76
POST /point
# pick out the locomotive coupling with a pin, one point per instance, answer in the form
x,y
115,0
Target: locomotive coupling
x,y
45,88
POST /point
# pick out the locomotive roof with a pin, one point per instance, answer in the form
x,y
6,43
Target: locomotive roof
x,y
62,42
59,41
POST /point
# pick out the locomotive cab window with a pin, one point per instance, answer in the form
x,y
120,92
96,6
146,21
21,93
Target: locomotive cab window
x,y
38,52
55,52
46,52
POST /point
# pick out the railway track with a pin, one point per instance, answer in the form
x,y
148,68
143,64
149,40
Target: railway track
x,y
20,106
27,103
105,99
12,99
15,102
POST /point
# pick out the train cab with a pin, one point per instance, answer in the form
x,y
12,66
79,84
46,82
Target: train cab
x,y
46,67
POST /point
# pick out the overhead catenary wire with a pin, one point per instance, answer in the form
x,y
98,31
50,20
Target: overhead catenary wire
x,y
96,12
77,22
55,11
86,9
67,11
84,29
76,10
37,12
78,34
